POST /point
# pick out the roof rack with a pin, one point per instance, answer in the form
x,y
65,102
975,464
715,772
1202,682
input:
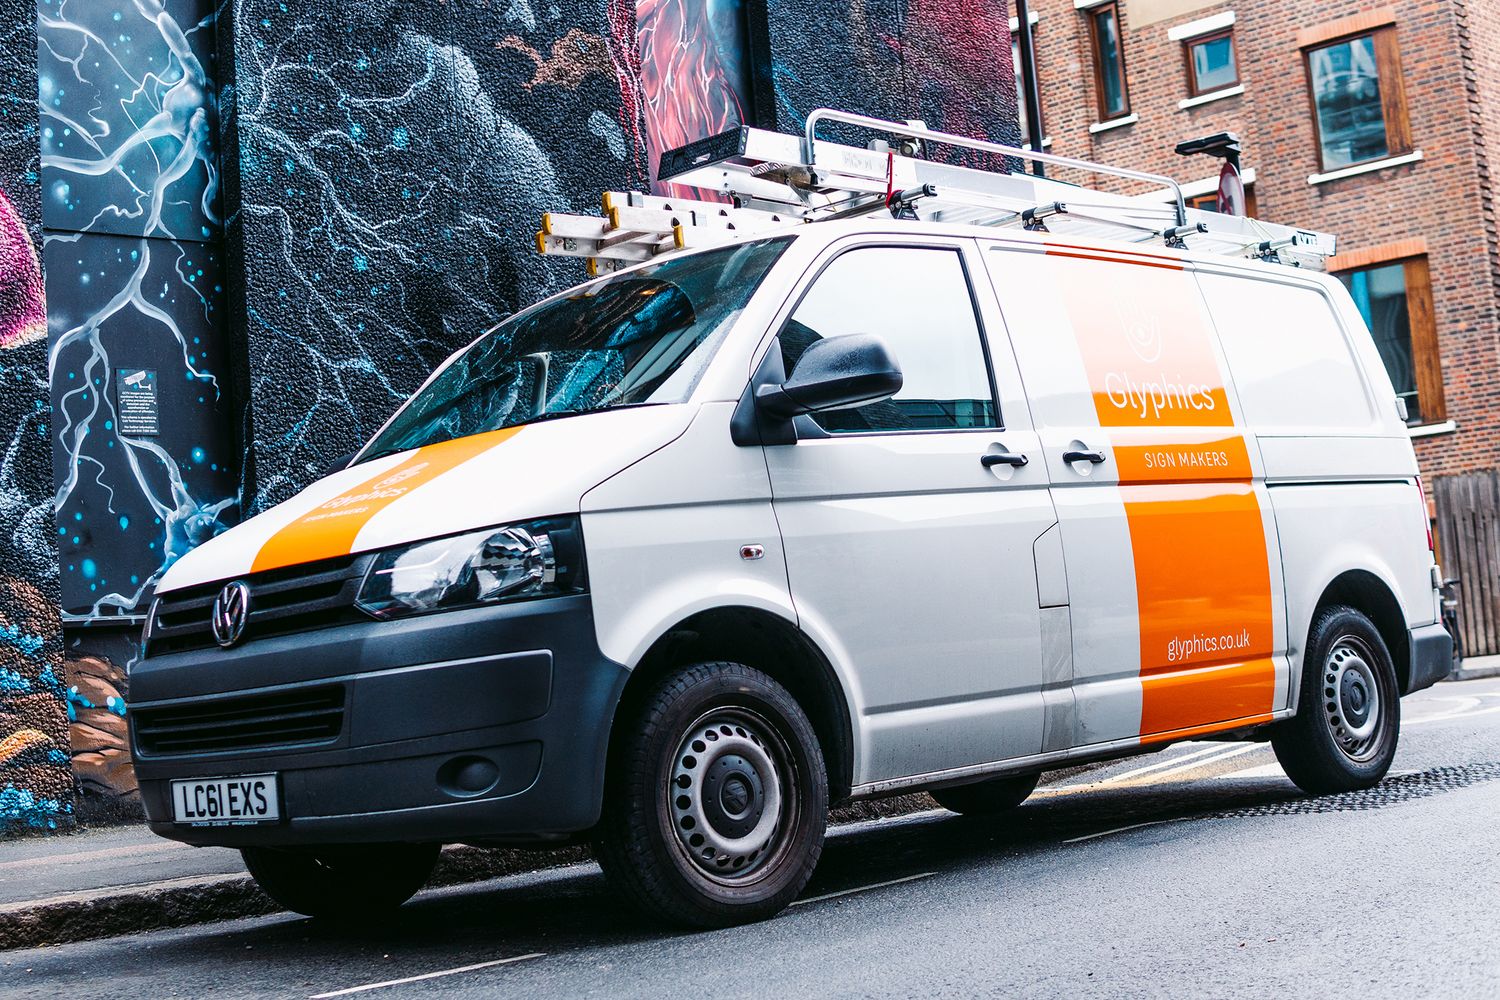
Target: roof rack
x,y
776,181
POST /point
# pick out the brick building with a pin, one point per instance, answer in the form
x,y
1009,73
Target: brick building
x,y
1374,123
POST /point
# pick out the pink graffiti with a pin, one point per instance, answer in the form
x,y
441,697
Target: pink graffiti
x,y
689,88
23,310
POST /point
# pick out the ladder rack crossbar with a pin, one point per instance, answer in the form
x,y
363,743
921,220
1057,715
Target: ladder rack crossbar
x,y
912,130
774,181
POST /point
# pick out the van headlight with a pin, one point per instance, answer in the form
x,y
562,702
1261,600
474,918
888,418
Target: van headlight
x,y
517,562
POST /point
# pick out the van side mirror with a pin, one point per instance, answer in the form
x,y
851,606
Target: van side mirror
x,y
838,373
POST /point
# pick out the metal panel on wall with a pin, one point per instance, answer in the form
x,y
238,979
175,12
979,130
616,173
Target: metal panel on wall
x,y
696,74
137,335
130,204
143,433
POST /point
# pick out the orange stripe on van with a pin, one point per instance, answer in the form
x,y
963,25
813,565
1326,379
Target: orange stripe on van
x,y
1144,457
1224,692
1097,252
1197,531
1203,594
1167,264
1215,727
329,530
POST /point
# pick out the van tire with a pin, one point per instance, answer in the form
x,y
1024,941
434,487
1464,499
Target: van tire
x,y
987,798
1341,739
349,883
756,802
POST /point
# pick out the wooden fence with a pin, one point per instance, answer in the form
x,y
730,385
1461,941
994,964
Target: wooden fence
x,y
1468,538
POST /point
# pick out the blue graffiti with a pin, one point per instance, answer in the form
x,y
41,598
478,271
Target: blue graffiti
x,y
29,644
13,683
19,806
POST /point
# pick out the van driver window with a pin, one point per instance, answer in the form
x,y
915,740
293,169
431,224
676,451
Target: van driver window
x,y
916,300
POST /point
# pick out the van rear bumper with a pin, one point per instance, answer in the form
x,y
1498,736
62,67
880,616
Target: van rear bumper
x,y
485,724
1431,656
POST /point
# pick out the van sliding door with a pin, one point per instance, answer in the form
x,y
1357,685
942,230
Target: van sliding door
x,y
1173,572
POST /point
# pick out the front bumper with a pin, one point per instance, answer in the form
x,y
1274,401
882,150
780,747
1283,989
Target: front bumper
x,y
434,707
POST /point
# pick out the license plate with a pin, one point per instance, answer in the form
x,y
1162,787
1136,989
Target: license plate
x,y
236,801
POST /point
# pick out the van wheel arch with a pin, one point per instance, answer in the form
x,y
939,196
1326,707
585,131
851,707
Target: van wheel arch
x,y
1368,593
770,644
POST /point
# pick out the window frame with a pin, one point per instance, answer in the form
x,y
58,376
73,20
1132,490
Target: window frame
x,y
1026,112
1421,318
1213,196
1393,106
826,261
1032,114
1194,90
1095,14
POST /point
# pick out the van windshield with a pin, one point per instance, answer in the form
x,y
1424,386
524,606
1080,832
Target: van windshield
x,y
636,339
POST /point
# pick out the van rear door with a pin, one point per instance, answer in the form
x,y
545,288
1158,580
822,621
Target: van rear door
x,y
1174,575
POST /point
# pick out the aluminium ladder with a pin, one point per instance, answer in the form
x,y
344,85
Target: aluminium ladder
x,y
777,181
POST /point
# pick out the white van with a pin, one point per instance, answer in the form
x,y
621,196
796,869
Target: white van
x,y
679,557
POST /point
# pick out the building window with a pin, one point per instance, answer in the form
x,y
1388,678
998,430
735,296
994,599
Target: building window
x,y
1359,107
1395,299
1210,202
1109,62
1023,113
1211,64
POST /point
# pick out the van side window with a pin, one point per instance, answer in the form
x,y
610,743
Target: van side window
x,y
1291,359
917,300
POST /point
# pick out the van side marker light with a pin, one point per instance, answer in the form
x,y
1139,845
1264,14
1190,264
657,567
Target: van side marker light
x,y
750,553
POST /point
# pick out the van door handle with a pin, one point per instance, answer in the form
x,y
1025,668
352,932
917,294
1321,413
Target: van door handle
x,y
1003,458
1094,457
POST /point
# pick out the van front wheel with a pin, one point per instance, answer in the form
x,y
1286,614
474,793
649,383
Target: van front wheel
x,y
717,799
352,883
1344,735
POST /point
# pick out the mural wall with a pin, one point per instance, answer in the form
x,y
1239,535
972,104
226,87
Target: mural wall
x,y
708,65
387,164
947,63
262,223
35,782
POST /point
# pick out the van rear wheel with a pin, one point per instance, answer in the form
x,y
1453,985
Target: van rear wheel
x,y
987,798
347,883
1345,732
717,799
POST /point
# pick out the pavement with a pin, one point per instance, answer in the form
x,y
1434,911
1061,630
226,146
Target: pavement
x,y
1477,668
1200,870
114,880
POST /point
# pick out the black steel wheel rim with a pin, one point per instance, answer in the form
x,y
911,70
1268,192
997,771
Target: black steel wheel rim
x,y
732,796
1355,701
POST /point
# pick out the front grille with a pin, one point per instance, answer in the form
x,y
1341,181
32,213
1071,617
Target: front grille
x,y
282,601
244,722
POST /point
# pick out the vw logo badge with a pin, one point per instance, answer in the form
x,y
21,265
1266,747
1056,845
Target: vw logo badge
x,y
231,611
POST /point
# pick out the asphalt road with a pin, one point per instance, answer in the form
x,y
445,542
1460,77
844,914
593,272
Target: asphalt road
x,y
1196,872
